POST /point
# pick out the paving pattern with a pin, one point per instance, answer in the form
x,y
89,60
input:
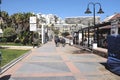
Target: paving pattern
x,y
59,63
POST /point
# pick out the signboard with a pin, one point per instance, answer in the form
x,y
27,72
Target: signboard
x,y
32,19
114,28
33,27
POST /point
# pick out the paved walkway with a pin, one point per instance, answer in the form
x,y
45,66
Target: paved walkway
x,y
59,63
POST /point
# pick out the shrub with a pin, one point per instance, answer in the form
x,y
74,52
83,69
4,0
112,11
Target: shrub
x,y
3,39
17,41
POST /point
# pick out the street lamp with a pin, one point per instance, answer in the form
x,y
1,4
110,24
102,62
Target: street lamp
x,y
0,27
0,12
89,12
0,7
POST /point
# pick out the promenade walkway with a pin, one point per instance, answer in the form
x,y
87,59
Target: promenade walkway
x,y
59,63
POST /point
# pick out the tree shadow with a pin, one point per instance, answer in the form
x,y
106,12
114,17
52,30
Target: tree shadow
x,y
81,51
6,77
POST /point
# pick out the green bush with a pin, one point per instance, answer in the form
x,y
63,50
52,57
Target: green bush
x,y
3,40
65,34
17,41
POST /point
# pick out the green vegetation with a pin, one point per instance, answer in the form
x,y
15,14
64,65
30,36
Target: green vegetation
x,y
65,34
9,32
10,54
12,44
16,28
56,32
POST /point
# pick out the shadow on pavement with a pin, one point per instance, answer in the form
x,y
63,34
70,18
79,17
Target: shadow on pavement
x,y
82,51
106,67
6,77
104,64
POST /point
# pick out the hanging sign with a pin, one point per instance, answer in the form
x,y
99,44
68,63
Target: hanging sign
x,y
32,19
33,27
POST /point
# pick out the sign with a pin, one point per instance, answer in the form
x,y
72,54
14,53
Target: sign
x,y
33,27
114,28
32,19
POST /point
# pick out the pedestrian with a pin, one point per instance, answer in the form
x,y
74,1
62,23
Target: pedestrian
x,y
105,43
85,42
56,40
63,41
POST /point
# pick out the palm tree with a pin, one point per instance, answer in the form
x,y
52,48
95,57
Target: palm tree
x,y
21,21
6,20
16,20
26,20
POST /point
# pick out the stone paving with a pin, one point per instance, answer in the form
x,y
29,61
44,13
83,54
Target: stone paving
x,y
59,63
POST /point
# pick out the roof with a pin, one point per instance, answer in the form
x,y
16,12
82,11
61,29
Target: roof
x,y
114,16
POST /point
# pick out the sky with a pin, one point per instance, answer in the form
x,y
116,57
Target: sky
x,y
61,8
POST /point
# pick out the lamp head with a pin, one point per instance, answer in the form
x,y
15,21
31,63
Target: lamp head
x,y
100,11
88,11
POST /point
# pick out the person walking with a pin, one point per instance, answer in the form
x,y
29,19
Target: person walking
x,y
56,40
62,41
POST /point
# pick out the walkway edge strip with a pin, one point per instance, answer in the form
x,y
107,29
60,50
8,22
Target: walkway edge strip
x,y
13,62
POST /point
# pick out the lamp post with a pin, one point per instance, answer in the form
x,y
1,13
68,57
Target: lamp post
x,y
99,12
0,7
0,27
0,15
